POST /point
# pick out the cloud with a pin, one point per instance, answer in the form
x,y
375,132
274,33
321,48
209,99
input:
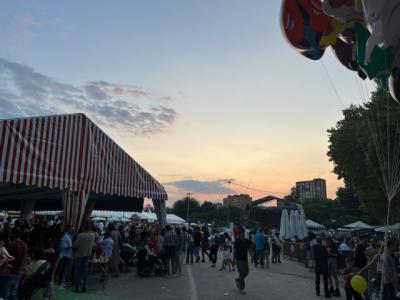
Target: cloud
x,y
201,187
26,92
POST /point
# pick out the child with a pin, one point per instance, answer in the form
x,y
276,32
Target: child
x,y
348,273
226,258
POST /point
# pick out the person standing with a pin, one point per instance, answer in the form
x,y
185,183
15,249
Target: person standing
x,y
116,253
267,248
184,244
214,248
205,246
333,256
241,248
19,250
276,249
197,243
83,250
190,247
260,250
65,252
178,252
321,267
170,244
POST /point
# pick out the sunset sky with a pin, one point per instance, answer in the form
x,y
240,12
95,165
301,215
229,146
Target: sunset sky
x,y
199,92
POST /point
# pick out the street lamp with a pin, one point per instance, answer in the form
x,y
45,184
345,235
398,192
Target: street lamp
x,y
188,195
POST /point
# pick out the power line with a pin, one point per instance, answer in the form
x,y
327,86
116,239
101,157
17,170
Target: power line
x,y
253,189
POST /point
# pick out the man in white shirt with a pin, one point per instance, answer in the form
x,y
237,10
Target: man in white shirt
x,y
345,246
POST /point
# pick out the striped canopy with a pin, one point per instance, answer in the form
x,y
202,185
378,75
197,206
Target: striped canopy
x,y
71,155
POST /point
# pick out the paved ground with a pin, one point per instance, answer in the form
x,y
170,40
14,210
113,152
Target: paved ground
x,y
288,280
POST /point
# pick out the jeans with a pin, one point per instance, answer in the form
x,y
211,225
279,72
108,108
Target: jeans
x,y
9,286
64,265
388,292
259,257
204,251
196,252
81,271
189,254
214,253
243,269
321,270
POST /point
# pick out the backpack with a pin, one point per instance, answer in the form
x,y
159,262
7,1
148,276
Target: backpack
x,y
32,283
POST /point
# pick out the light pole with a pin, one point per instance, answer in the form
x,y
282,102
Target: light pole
x,y
187,212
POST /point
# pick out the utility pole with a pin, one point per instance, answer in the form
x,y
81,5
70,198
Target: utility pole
x,y
188,195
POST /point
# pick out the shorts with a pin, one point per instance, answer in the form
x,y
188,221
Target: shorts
x,y
332,265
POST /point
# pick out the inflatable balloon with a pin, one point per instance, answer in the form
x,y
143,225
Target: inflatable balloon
x,y
359,284
344,53
304,24
383,20
394,84
345,11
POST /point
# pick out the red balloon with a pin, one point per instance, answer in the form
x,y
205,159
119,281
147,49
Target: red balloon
x,y
304,23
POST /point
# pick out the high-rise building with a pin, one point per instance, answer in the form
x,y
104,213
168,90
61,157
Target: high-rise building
x,y
237,200
311,189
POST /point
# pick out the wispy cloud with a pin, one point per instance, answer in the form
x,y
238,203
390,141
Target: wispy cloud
x,y
26,92
201,187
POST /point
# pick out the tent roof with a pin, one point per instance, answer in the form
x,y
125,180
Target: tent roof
x,y
313,224
358,225
391,228
42,156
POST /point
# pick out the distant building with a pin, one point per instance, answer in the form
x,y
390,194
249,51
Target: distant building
x,y
237,200
311,189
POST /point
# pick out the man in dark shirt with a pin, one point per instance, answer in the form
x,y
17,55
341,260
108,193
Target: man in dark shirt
x,y
360,259
240,253
19,250
321,267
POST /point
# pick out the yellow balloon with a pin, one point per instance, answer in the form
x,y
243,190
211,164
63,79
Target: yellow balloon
x,y
359,284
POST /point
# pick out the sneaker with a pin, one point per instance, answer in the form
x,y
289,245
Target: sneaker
x,y
242,292
336,293
237,283
317,293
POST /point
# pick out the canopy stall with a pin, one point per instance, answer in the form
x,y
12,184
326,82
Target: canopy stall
x,y
314,225
67,162
358,225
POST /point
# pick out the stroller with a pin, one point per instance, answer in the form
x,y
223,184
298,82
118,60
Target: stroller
x,y
30,285
148,265
127,255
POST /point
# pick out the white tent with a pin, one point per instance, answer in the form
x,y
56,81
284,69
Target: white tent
x,y
391,228
292,225
302,224
174,219
314,225
358,225
284,228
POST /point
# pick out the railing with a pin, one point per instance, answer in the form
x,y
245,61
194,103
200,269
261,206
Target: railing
x,y
295,251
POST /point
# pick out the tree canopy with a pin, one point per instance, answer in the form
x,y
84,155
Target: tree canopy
x,y
365,149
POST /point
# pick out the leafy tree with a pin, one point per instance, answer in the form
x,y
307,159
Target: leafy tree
x,y
364,147
180,207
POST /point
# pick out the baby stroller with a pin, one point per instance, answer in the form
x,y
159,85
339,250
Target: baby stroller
x,y
127,255
148,265
30,285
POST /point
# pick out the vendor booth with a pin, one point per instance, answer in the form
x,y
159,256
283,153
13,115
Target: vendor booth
x,y
66,162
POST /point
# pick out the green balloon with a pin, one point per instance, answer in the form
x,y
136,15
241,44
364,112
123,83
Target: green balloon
x,y
381,59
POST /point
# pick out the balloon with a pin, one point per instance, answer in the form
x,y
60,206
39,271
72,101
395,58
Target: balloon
x,y
383,20
394,83
381,61
304,23
331,33
359,284
345,11
344,53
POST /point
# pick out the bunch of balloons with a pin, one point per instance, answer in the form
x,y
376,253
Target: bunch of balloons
x,y
363,34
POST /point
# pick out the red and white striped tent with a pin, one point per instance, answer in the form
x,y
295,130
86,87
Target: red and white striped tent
x,y
67,161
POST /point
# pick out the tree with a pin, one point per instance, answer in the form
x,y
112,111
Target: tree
x,y
364,147
180,207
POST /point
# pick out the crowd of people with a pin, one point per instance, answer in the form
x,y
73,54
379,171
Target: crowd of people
x,y
29,246
355,255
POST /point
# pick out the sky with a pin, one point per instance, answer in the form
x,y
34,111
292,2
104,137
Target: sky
x,y
201,93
